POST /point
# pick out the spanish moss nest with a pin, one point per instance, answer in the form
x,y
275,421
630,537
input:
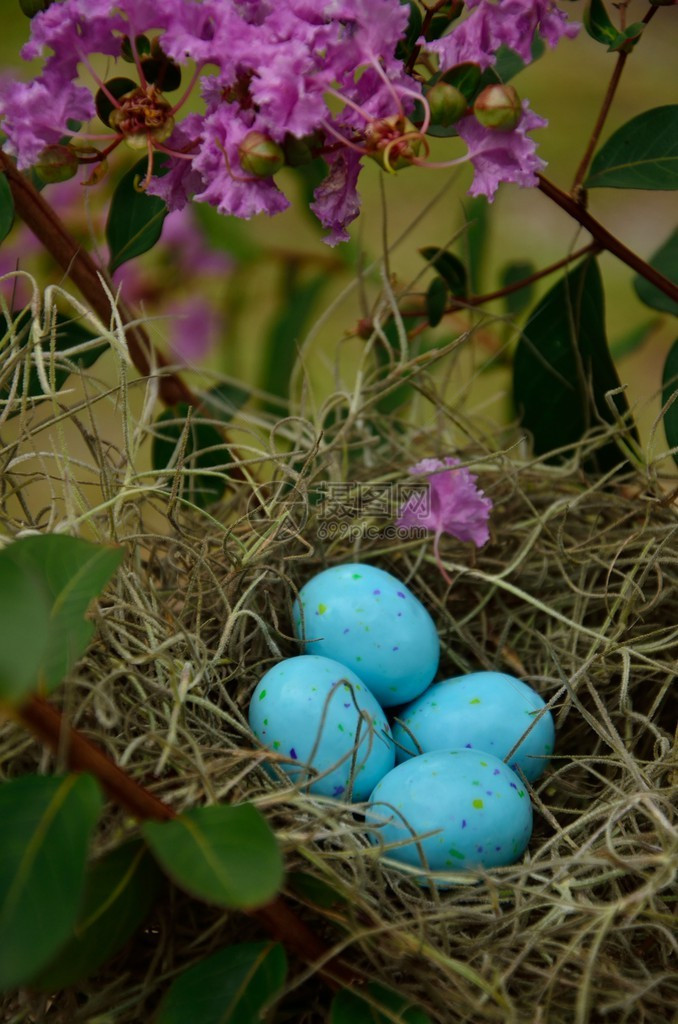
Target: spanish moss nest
x,y
576,592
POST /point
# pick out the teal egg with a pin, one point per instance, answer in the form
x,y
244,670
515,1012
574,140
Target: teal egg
x,y
471,809
322,721
368,620
488,711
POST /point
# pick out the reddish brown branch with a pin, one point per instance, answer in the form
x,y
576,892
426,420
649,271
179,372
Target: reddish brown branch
x,y
279,920
48,228
607,240
576,190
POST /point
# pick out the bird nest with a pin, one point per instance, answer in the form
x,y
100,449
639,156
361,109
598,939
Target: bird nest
x,y
576,593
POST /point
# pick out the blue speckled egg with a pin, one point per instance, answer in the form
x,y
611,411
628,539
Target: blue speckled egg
x,y
314,711
367,619
482,711
478,808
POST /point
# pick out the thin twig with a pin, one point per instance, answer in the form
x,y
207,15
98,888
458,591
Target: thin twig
x,y
577,191
606,239
39,216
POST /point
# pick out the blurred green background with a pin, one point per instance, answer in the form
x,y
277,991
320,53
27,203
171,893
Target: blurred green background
x,y
566,86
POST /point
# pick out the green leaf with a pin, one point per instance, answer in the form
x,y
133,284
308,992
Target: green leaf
x,y
665,260
297,302
670,388
449,268
6,207
509,64
47,823
475,238
67,333
598,24
412,32
46,585
643,153
380,1005
436,300
119,890
224,855
135,219
232,986
180,434
464,77
512,273
627,39
563,369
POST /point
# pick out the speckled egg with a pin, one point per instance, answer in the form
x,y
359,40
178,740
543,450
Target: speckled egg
x,y
318,716
370,621
477,807
481,711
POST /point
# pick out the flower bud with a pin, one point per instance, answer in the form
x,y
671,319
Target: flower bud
x,y
56,163
260,156
446,104
498,107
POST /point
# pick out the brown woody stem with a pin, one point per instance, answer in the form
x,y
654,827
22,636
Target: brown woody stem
x,y
49,725
39,216
607,240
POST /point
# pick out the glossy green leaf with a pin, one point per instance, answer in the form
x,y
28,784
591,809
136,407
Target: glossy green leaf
x,y
296,304
232,986
643,153
509,64
46,585
224,855
6,207
436,300
46,823
135,219
180,434
120,889
665,260
379,1005
464,77
670,388
67,334
511,274
627,39
449,267
413,30
598,24
563,369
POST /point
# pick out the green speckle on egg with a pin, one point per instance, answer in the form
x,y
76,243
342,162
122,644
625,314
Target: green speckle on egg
x,y
340,727
477,804
262,694
276,744
322,608
476,700
455,853
356,576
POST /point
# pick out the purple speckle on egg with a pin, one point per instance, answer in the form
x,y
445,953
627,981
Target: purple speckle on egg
x,y
496,772
463,822
513,785
400,594
337,791
347,630
293,753
376,591
469,746
396,648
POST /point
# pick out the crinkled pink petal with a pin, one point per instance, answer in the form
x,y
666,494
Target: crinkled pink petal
x,y
336,202
457,506
502,156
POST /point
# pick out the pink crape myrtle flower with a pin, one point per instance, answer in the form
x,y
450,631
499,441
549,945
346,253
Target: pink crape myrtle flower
x,y
502,156
457,506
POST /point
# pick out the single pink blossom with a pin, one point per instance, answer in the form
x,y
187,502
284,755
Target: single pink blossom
x,y
456,505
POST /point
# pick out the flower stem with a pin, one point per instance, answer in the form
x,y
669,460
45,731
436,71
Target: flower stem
x,y
577,191
605,239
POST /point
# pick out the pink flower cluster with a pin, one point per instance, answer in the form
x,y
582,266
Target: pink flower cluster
x,y
323,74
